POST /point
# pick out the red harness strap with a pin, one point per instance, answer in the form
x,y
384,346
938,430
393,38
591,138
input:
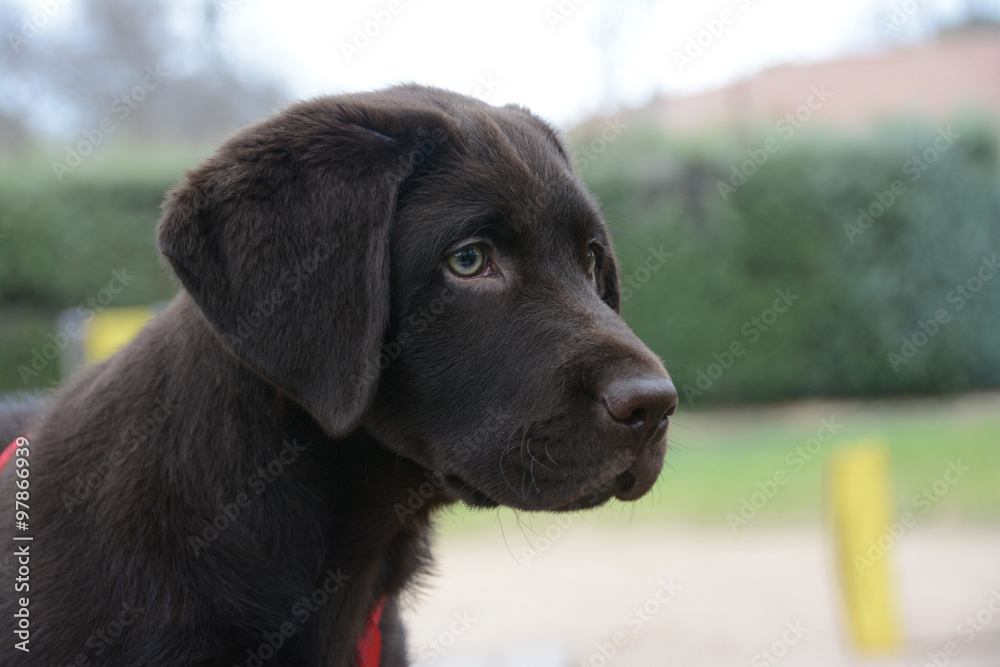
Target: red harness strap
x,y
8,453
370,643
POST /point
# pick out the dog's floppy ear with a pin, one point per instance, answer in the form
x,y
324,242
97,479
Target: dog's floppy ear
x,y
282,239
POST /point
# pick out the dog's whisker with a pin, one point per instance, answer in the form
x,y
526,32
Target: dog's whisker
x,y
633,202
503,472
668,464
504,535
534,459
606,211
547,455
531,465
397,460
534,482
637,247
508,448
524,468
520,525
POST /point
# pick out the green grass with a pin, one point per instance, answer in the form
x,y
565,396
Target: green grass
x,y
718,458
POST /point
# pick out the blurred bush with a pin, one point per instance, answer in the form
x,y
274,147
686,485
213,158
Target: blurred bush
x,y
787,229
793,225
62,244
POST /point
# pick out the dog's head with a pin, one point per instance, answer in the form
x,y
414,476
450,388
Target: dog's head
x,y
430,269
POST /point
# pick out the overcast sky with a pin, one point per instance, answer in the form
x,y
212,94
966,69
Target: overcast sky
x,y
566,59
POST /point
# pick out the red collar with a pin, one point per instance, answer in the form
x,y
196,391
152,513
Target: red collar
x,y
369,644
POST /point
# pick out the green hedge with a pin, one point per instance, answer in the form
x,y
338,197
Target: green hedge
x,y
62,244
781,231
793,225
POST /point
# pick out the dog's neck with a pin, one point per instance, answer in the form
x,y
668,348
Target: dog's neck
x,y
271,506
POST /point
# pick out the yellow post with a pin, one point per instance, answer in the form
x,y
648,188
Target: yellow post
x,y
864,534
111,329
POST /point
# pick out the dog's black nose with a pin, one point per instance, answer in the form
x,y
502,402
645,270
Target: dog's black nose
x,y
641,403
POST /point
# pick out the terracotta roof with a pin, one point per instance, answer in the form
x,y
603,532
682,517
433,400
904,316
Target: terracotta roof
x,y
933,80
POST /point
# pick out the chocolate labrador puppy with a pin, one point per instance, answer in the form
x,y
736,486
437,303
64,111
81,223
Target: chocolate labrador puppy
x,y
391,302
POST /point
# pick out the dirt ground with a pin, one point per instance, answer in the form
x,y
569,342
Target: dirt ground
x,y
551,595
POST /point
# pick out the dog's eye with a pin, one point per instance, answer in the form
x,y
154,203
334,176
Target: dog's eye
x,y
591,261
468,261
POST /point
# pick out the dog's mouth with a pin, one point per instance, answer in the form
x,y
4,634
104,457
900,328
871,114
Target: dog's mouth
x,y
473,497
547,486
620,485
630,484
635,481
